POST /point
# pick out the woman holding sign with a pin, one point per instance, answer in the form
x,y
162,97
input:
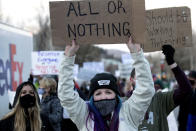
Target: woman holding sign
x,y
105,110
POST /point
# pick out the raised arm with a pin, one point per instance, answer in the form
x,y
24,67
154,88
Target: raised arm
x,y
69,98
136,106
184,86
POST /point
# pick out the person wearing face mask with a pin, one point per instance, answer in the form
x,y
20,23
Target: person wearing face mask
x,y
105,111
51,109
25,114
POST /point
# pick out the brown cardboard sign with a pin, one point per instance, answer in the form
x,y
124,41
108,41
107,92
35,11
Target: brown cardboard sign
x,y
168,26
97,21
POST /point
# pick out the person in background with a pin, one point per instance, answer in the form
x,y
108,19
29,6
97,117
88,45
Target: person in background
x,y
165,80
122,83
158,84
35,80
105,111
25,115
188,106
164,102
191,123
51,109
81,94
84,89
130,85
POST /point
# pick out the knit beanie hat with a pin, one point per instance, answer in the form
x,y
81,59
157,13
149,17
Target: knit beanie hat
x,y
103,81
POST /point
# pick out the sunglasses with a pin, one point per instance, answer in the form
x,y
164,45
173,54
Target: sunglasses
x,y
192,82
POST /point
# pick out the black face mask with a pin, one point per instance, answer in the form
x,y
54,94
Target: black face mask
x,y
27,101
105,106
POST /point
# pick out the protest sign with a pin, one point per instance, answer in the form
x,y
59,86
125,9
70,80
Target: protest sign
x,y
89,69
75,70
126,58
97,22
46,62
125,70
168,26
86,74
95,66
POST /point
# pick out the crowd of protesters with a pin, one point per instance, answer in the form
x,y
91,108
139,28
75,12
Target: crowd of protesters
x,y
105,103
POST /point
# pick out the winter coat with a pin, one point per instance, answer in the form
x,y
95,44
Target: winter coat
x,y
132,110
51,113
7,124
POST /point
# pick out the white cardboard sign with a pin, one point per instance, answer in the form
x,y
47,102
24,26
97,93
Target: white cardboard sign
x,y
46,62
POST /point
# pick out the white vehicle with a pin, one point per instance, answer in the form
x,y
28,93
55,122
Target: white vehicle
x,y
16,46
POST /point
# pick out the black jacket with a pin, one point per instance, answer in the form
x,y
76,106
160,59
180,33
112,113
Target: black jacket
x,y
8,124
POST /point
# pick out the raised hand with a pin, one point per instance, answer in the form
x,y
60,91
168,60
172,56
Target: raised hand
x,y
133,47
168,51
70,50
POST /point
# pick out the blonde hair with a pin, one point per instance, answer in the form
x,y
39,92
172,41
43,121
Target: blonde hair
x,y
20,122
49,83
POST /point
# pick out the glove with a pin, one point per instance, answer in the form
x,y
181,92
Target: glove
x,y
168,51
